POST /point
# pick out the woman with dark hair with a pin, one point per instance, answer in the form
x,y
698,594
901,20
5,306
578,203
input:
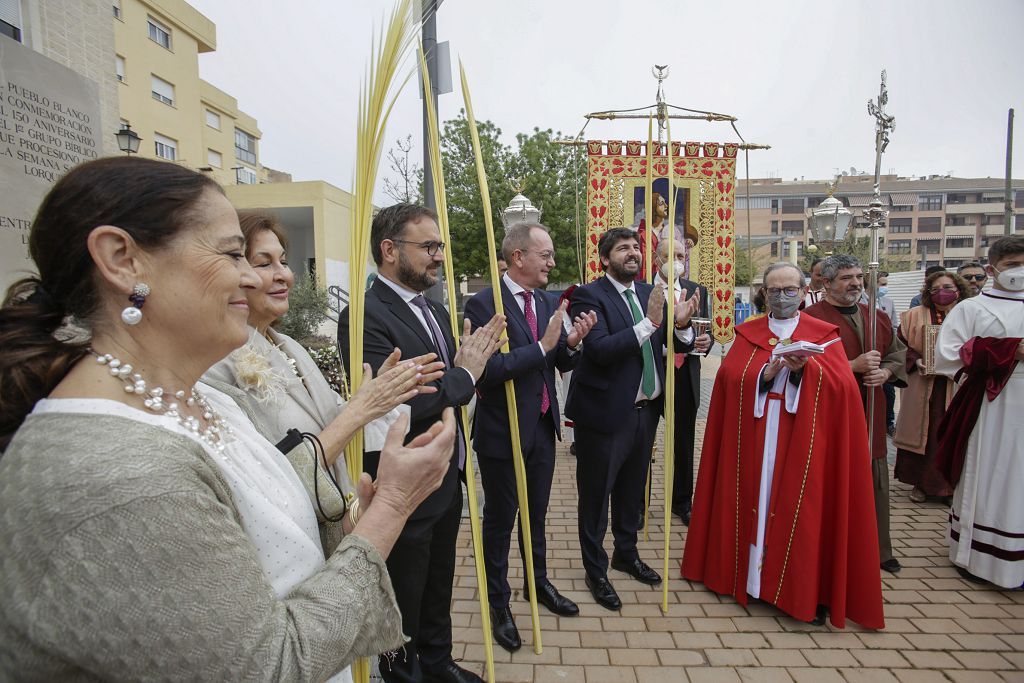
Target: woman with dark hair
x,y
281,387
923,402
149,529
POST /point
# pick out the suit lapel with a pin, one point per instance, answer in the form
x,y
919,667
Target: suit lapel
x,y
616,301
440,316
401,310
513,312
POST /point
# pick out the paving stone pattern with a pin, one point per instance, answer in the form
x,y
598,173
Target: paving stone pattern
x,y
938,626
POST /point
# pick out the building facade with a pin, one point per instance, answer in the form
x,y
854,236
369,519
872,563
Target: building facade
x,y
932,221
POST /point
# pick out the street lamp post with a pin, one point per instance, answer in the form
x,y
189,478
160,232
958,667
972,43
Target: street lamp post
x,y
127,139
830,222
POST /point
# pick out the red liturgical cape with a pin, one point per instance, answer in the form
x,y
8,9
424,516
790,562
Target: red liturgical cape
x,y
821,542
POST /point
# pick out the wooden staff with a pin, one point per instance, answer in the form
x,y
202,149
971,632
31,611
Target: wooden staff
x,y
377,96
441,202
510,390
670,375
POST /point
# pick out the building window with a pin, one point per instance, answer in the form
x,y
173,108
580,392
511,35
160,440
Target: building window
x,y
901,225
957,220
1018,221
901,207
159,34
928,246
117,10
245,176
213,119
1019,199
792,228
899,246
929,202
786,249
245,146
995,219
775,227
755,203
775,209
813,202
214,158
929,224
163,91
959,242
956,198
10,19
775,248
120,69
166,148
954,262
793,205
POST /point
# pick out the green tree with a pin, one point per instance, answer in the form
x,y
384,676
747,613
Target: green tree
x,y
465,207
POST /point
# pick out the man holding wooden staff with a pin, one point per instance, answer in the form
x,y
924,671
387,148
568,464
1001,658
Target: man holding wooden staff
x,y
407,248
616,399
538,345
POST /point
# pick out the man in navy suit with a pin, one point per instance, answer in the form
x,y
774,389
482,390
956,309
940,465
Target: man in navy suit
x,y
615,399
687,369
538,344
407,248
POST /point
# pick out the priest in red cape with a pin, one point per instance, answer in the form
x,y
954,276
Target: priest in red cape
x,y
784,487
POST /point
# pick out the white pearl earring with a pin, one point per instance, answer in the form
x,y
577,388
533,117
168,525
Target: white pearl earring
x,y
132,315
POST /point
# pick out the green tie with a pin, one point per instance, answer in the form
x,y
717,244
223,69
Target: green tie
x,y
647,385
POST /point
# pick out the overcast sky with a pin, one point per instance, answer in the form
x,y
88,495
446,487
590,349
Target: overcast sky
x,y
796,73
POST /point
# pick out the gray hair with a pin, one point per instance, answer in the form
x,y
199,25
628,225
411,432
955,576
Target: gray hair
x,y
970,264
517,238
833,264
779,266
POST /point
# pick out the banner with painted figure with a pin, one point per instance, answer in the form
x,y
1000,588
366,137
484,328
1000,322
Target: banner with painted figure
x,y
705,187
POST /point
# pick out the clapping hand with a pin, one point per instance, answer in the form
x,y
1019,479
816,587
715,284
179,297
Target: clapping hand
x,y
686,308
581,328
479,346
397,382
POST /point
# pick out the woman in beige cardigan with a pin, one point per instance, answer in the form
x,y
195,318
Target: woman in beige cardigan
x,y
283,389
149,530
924,401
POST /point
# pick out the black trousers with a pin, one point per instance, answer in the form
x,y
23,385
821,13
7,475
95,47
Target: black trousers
x,y
501,505
686,427
422,569
612,468
890,403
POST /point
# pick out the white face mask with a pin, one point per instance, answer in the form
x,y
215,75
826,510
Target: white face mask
x,y
678,266
1011,279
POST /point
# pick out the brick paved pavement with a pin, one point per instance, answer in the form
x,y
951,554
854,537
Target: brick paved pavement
x,y
938,626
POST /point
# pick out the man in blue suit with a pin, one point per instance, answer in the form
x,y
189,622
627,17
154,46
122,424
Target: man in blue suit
x,y
538,344
615,399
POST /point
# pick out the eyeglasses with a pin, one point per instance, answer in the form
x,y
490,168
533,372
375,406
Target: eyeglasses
x,y
788,291
935,290
975,278
545,255
431,247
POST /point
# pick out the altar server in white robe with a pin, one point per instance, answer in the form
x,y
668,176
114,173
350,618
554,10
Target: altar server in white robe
x,y
981,340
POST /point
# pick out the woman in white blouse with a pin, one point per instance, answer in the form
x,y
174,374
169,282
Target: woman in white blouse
x,y
283,389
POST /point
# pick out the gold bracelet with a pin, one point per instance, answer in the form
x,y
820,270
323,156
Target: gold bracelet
x,y
353,512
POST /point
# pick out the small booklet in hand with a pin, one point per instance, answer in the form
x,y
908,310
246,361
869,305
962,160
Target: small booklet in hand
x,y
801,349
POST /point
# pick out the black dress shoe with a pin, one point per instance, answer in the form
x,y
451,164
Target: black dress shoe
x,y
549,596
450,673
892,565
638,570
682,513
504,628
967,576
603,592
819,616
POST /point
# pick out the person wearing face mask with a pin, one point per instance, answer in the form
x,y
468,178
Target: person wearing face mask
x,y
886,305
924,401
872,367
781,443
687,369
981,437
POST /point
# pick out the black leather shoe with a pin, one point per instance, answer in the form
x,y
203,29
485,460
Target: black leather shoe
x,y
603,592
504,628
892,565
450,673
549,596
638,570
682,513
819,616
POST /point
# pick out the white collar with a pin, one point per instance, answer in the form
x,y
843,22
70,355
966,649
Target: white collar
x,y
619,287
1003,294
513,286
407,294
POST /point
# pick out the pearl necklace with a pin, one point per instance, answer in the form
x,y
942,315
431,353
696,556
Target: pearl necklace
x,y
216,426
